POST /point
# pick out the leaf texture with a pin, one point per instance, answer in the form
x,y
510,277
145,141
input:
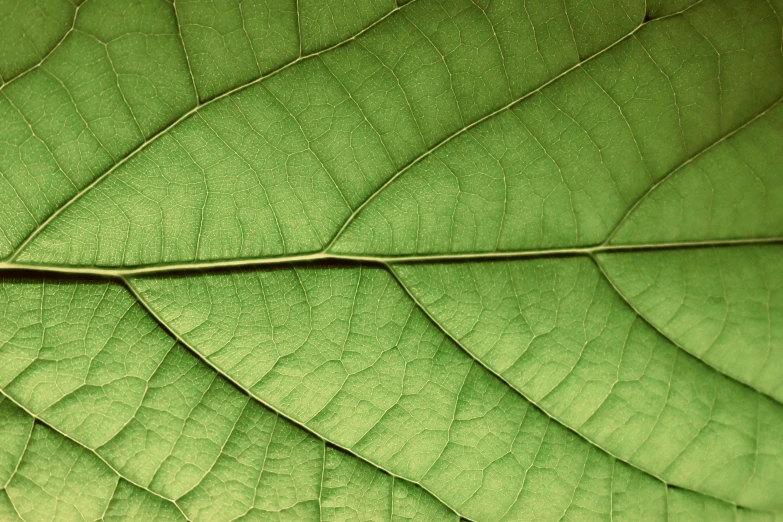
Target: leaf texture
x,y
425,260
136,411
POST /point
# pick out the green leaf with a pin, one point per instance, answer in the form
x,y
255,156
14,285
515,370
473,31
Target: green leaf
x,y
135,411
555,330
25,41
329,260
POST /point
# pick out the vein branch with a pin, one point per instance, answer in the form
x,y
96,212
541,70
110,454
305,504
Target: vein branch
x,y
537,406
197,107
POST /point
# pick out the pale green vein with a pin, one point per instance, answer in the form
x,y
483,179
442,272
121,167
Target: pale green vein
x,y
685,163
265,404
399,173
105,462
120,273
182,118
531,401
669,337
4,83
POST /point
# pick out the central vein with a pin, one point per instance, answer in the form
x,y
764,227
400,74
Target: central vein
x,y
325,256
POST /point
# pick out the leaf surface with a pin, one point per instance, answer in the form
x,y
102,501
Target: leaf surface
x,y
135,411
293,260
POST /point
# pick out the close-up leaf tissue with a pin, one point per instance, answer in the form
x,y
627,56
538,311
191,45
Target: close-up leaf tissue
x,y
391,261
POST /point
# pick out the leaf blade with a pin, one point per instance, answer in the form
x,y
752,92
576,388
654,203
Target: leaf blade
x,y
187,435
463,114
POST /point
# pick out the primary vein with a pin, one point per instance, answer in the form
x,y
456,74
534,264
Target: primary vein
x,y
324,256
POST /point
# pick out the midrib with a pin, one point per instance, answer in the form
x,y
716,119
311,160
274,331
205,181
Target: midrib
x,y
325,257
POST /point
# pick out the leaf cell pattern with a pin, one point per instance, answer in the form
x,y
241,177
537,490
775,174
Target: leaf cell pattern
x,y
427,260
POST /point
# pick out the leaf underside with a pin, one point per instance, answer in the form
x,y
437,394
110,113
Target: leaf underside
x,y
426,260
